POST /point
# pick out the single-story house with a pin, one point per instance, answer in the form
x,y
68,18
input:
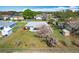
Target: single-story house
x,y
6,27
34,26
1,18
42,16
6,23
6,31
6,17
70,26
16,17
38,17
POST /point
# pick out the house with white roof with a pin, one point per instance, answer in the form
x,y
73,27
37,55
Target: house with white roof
x,y
5,17
34,26
38,17
6,31
17,17
6,27
7,23
66,32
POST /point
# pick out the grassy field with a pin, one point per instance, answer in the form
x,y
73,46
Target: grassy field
x,y
19,24
27,40
24,40
63,40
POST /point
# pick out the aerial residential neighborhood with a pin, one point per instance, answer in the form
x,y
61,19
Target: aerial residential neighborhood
x,y
27,29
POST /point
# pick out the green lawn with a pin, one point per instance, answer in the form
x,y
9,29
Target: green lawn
x,y
62,39
57,33
19,24
25,40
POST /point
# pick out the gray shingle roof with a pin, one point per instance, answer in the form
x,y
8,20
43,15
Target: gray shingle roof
x,y
6,23
72,26
36,24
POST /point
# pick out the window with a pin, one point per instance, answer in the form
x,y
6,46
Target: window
x,y
35,28
1,28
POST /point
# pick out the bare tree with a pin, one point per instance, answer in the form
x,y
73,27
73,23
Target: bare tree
x,y
47,33
44,31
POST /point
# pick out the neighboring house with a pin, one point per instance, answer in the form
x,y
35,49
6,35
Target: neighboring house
x,y
6,31
6,27
7,23
16,17
1,18
71,26
34,26
38,17
43,16
6,17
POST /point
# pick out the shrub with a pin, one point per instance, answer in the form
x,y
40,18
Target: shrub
x,y
52,42
76,42
66,42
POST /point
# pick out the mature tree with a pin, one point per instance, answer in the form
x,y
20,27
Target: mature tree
x,y
8,12
64,15
28,14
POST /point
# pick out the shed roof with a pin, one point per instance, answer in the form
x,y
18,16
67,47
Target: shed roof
x,y
36,24
6,23
64,30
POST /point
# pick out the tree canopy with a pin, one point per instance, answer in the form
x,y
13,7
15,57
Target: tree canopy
x,y
66,14
29,14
